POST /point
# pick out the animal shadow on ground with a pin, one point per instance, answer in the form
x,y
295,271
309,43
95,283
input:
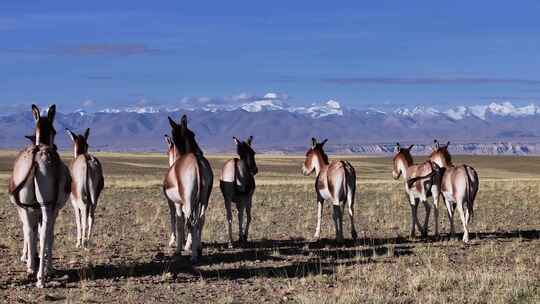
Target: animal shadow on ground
x,y
265,258
293,258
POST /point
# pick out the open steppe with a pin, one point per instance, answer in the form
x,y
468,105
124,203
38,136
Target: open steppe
x,y
129,260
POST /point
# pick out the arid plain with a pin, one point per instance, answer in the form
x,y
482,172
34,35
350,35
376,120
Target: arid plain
x,y
128,259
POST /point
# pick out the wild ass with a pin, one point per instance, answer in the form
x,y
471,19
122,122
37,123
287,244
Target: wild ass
x,y
86,186
335,182
459,187
237,185
421,182
39,187
188,184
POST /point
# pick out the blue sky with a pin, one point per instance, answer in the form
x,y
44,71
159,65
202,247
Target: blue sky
x,y
102,53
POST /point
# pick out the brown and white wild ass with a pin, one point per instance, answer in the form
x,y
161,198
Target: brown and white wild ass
x,y
459,187
87,184
237,185
335,182
421,182
188,184
39,187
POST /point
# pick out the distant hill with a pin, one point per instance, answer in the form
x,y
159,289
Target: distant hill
x,y
497,128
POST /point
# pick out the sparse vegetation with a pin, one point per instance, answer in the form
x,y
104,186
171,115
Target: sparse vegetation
x,y
129,261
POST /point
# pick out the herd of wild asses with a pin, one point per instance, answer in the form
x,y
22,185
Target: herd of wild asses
x,y
41,184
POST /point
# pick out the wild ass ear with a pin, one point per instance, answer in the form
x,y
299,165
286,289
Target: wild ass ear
x,y
86,133
35,112
447,144
51,113
168,140
71,135
435,145
172,123
183,121
313,141
249,140
324,141
397,148
32,138
410,147
236,140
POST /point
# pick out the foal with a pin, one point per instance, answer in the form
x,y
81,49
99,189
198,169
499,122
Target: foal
x,y
237,185
459,187
86,187
187,185
335,182
421,182
39,187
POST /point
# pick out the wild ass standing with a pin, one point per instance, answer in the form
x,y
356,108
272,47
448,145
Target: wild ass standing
x,y
335,182
86,186
188,184
39,187
237,185
421,182
459,187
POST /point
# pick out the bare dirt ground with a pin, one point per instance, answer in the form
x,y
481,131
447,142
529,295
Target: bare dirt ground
x,y
129,261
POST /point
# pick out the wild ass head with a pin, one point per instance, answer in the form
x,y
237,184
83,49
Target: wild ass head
x,y
315,157
402,159
44,131
440,154
183,138
172,152
80,142
246,153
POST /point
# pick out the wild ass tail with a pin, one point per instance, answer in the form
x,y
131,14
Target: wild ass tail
x,y
350,176
196,205
94,174
472,189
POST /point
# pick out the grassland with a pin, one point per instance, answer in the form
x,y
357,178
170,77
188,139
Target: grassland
x,y
128,260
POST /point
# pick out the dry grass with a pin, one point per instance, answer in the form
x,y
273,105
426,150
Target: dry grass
x,y
129,261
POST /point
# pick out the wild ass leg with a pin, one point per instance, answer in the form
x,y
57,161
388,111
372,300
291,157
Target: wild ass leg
x,y
229,221
179,228
84,222
248,218
45,240
33,234
427,207
461,206
196,243
172,213
338,222
414,217
436,213
91,221
450,211
26,233
78,222
350,205
240,206
320,203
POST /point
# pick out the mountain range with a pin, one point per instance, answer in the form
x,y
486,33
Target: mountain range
x,y
496,128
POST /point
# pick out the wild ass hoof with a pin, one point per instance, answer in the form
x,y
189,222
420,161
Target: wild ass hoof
x,y
354,235
172,241
243,239
40,284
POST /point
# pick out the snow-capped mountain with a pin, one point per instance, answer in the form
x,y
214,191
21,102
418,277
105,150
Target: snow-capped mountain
x,y
279,126
268,102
